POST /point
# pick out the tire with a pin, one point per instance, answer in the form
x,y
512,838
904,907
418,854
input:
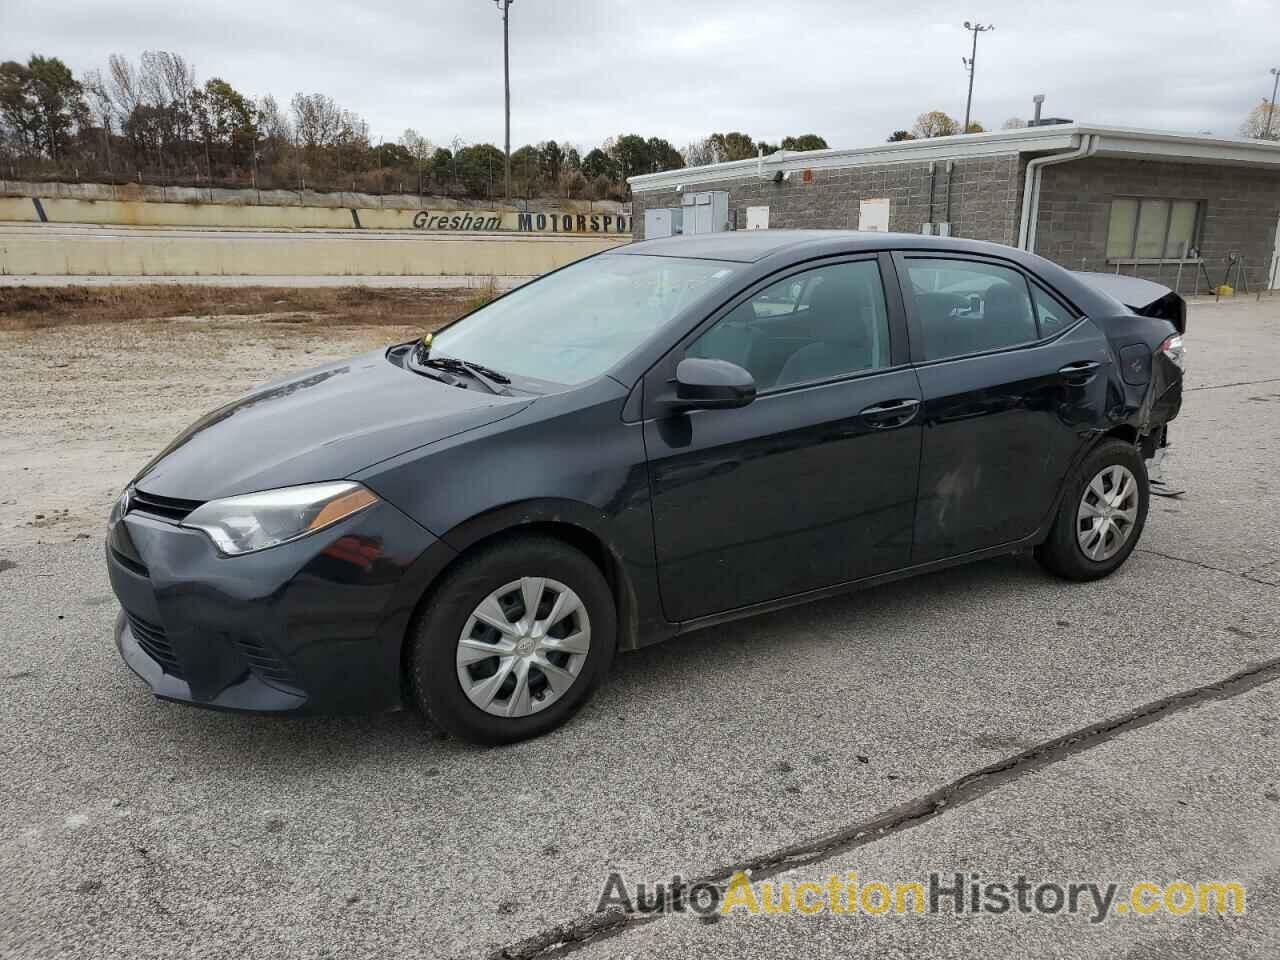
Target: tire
x,y
1064,551
533,695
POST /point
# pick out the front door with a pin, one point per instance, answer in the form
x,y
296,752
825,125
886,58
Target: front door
x,y
814,483
1014,382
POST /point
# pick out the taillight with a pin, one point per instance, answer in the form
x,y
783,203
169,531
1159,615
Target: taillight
x,y
1174,351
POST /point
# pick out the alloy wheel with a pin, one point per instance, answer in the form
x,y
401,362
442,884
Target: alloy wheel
x,y
1108,512
523,647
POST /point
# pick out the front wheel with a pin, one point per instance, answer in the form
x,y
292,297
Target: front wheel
x,y
513,641
1102,513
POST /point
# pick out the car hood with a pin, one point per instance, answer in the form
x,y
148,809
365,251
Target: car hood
x,y
322,424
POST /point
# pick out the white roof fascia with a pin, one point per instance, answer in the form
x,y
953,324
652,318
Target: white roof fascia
x,y
1113,141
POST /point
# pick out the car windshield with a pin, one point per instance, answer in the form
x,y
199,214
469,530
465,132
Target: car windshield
x,y
575,324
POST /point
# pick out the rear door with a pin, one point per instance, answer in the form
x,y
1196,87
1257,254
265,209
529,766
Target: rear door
x,y
1013,380
813,483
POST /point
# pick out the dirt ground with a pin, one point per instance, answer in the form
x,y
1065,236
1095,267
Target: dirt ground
x,y
88,395
38,307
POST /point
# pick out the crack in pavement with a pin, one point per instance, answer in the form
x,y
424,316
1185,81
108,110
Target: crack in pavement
x,y
1223,386
573,935
1258,566
1244,575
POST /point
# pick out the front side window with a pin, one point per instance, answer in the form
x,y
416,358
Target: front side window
x,y
817,325
1152,228
969,307
573,325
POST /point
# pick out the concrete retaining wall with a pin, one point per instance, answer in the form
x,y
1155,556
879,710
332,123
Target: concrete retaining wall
x,y
288,198
145,213
49,250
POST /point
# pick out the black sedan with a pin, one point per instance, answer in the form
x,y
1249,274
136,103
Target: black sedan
x,y
667,436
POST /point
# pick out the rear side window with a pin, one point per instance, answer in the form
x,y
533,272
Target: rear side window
x,y
817,325
968,307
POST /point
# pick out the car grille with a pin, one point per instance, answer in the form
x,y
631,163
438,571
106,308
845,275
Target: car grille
x,y
155,644
162,508
264,663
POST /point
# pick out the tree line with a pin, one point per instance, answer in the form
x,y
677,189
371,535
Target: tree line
x,y
152,121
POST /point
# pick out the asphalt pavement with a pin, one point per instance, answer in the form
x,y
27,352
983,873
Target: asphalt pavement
x,y
988,719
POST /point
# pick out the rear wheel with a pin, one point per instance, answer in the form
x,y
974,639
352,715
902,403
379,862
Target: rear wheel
x,y
1101,516
514,641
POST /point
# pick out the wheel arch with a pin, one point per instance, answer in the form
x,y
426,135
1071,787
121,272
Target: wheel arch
x,y
1123,431
575,524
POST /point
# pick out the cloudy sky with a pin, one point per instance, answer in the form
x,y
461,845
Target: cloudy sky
x,y
586,69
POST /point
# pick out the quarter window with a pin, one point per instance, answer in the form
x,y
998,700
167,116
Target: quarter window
x,y
969,307
816,325
1050,314
1151,228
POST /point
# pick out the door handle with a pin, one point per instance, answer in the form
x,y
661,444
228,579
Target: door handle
x,y
1080,372
891,413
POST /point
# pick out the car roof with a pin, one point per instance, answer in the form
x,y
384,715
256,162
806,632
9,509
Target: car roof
x,y
743,246
750,246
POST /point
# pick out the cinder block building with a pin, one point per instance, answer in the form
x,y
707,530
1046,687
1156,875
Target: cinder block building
x,y
1186,210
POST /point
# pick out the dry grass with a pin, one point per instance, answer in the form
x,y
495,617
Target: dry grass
x,y
36,308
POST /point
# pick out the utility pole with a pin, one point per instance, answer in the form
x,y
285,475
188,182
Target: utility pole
x,y
974,28
1271,111
504,7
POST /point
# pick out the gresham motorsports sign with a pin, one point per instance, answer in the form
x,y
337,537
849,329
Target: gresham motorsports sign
x,y
516,222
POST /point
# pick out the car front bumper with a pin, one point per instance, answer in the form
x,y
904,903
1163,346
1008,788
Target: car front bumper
x,y
311,626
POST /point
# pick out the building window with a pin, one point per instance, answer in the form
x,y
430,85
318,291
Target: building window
x,y
1149,228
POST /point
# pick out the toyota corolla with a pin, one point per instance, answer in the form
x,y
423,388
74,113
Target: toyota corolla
x,y
670,435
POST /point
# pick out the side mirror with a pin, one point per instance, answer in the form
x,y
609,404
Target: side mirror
x,y
710,385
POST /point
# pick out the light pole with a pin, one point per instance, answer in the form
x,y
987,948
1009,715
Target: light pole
x,y
974,28
504,7
1271,111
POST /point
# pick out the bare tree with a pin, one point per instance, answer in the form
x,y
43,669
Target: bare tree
x,y
124,89
700,153
316,119
935,123
418,147
166,78
167,82
1258,121
153,100
101,108
272,122
332,137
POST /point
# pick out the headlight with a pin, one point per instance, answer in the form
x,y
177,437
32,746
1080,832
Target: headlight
x,y
255,521
120,507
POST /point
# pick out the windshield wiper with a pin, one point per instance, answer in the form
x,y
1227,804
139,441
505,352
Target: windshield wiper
x,y
492,379
489,372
